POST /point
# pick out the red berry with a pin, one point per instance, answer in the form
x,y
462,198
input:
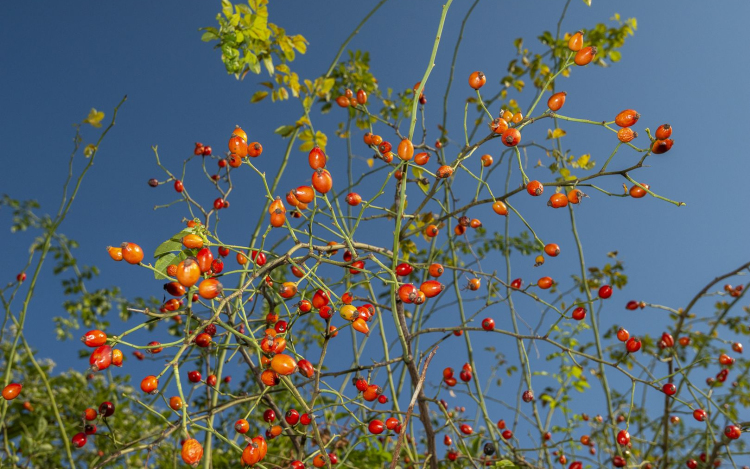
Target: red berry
x,y
488,324
605,292
669,389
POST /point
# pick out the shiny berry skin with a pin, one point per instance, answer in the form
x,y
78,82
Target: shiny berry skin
x,y
638,192
178,186
669,389
663,132
404,269
575,43
466,429
101,358
376,427
511,137
579,313
488,324
218,203
691,464
585,56
11,391
353,199
79,440
223,251
106,409
405,150
618,461
305,368
305,419
534,188
527,396
500,208
662,146
131,253
558,200
627,118
291,417
732,432
556,101
507,434
382,399
150,384
211,380
552,250
632,305
605,291
94,338
487,160
545,282
516,284
206,151
194,376
477,80
316,158
699,415
633,345
623,437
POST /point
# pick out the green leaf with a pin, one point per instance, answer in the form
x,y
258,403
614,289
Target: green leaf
x,y
209,36
162,263
259,96
507,464
172,244
615,55
417,171
285,130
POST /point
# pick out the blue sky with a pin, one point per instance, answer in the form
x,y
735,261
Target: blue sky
x,y
685,65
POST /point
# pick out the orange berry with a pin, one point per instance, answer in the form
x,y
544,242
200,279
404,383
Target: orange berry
x,y
663,132
421,158
499,125
192,241
585,56
477,80
558,200
556,101
132,253
545,282
175,403
575,196
283,364
431,231
115,253
636,192
444,171
511,137
500,208
254,150
149,384
626,134
321,181
552,250
534,188
239,132
627,118
405,149
12,391
192,452
517,117
487,160
188,272
575,43
662,146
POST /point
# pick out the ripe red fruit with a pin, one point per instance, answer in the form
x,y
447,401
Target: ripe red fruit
x,y
579,313
178,186
194,376
101,358
79,440
291,417
669,389
488,324
556,101
663,132
662,146
633,345
534,188
516,284
21,277
507,434
732,432
575,43
511,137
527,396
477,80
466,429
316,158
107,409
623,335
269,415
585,56
404,269
376,427
632,305
353,199
150,384
11,391
699,415
552,249
623,437
627,118
605,292
94,338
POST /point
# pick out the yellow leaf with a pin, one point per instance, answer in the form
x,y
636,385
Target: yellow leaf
x,y
89,150
557,133
95,118
370,162
303,121
583,160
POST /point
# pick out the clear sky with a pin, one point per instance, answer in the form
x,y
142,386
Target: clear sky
x,y
687,65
